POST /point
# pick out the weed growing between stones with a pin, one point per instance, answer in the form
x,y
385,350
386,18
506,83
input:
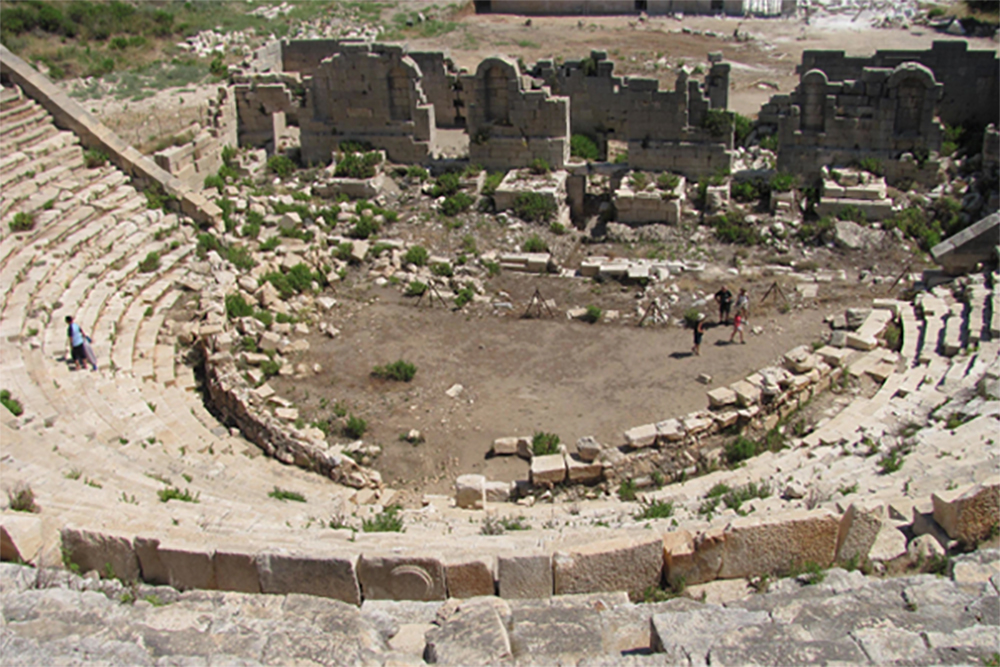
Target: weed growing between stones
x,y
657,509
355,427
534,243
22,222
12,404
593,314
399,371
808,573
283,494
22,499
386,521
151,263
544,443
627,489
173,493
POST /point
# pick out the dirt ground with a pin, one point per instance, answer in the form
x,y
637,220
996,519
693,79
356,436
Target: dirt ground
x,y
519,375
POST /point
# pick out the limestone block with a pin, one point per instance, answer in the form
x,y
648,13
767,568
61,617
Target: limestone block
x,y
622,564
968,513
670,430
176,565
236,572
401,578
475,634
525,576
588,448
505,446
832,355
583,471
890,544
641,436
470,492
693,559
800,360
859,528
469,577
758,545
323,576
721,397
746,393
497,492
98,551
359,249
20,537
548,469
686,636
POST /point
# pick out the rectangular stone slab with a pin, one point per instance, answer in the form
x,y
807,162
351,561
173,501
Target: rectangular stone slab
x,y
527,576
753,546
236,572
469,577
623,564
401,578
323,576
96,551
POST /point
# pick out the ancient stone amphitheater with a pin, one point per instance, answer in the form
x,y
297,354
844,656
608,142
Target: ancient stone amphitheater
x,y
116,569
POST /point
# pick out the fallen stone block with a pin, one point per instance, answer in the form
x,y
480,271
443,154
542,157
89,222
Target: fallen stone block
x,y
236,572
505,446
669,430
560,633
322,576
969,513
583,472
721,397
753,546
547,470
615,565
20,538
401,578
475,634
692,559
588,448
103,553
746,393
497,492
641,436
525,576
470,492
834,356
687,636
890,544
859,528
800,360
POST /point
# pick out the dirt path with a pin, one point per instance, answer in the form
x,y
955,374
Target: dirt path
x,y
518,377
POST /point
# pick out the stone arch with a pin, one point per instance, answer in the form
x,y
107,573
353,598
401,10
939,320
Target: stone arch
x,y
496,77
400,100
910,84
814,85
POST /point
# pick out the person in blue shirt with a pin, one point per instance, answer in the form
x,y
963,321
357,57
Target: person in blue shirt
x,y
76,340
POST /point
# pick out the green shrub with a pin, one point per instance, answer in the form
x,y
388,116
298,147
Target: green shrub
x,y
534,207
667,181
12,404
416,255
270,367
281,165
446,184
492,269
442,270
735,498
627,489
240,257
229,154
534,243
817,232
456,203
539,166
543,444
557,228
637,181
218,68
717,122
492,182
355,427
593,314
237,306
283,494
344,251
872,166
387,521
418,173
743,126
740,449
657,509
770,142
416,288
952,136
399,371
358,165
852,213
582,146
215,181
173,493
264,317
732,227
298,279
22,222
621,158
363,228
464,296
22,499
782,182
94,158
270,244
745,191
150,263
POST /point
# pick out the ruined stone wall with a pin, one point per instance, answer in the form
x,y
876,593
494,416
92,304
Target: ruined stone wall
x,y
441,85
266,59
882,114
971,78
367,93
202,156
511,124
599,7
264,105
666,128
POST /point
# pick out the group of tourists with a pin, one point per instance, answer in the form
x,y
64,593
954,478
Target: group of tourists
x,y
724,297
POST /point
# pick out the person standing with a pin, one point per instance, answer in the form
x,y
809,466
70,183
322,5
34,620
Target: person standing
x,y
737,327
725,299
76,341
743,304
699,333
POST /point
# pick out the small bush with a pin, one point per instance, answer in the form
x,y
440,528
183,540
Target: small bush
x,y
852,213
544,443
717,122
12,404
534,207
732,227
150,263
492,182
627,489
173,493
358,165
557,228
94,158
215,181
872,166
270,367
740,449
237,306
782,182
667,181
442,269
240,257
742,125
22,499
446,184
582,146
416,288
218,68
355,427
809,573
593,314
282,494
621,158
363,228
638,181
22,222
658,509
281,165
770,142
399,371
417,173
534,243
464,296
735,498
540,166
456,203
386,521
